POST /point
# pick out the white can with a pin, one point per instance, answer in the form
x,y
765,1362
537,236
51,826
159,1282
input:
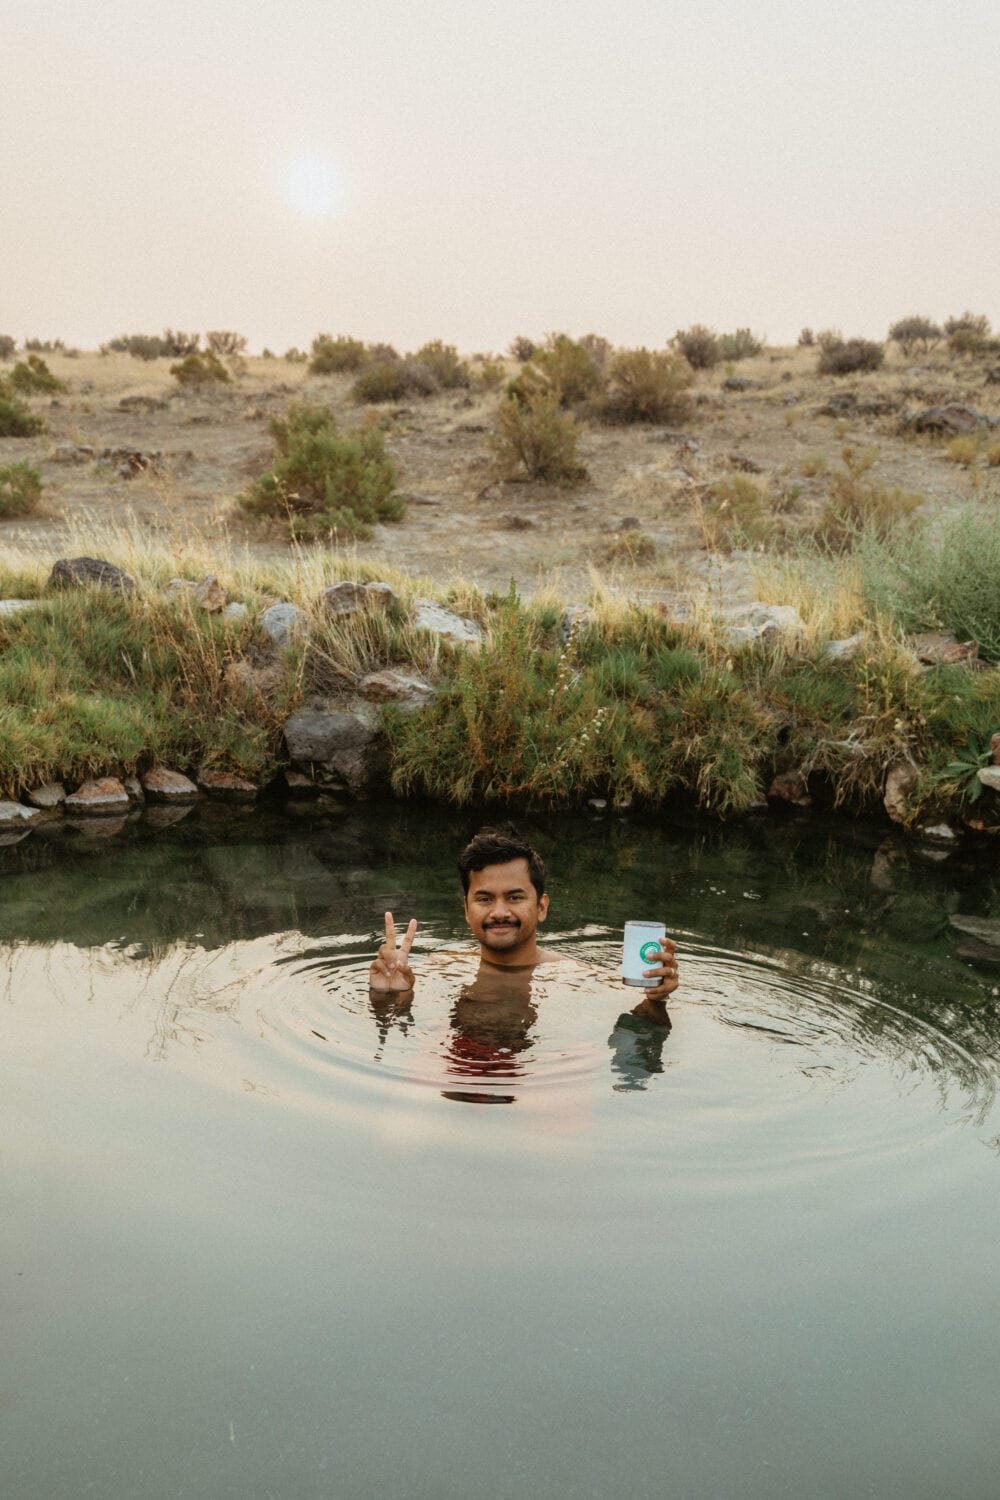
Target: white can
x,y
641,951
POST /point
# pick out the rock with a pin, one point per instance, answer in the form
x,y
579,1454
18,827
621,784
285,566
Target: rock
x,y
210,595
241,677
900,779
847,649
141,403
950,420
229,787
759,622
235,613
48,796
390,686
993,376
161,785
743,464
516,523
107,827
134,791
100,797
790,786
72,453
737,383
15,814
574,618
12,834
164,815
628,523
283,622
990,776
131,461
995,747
446,624
15,606
937,649
348,596
300,785
181,587
78,572
984,929
597,803
338,741
938,833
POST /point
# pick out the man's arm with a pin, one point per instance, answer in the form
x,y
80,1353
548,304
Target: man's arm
x,y
654,1001
391,968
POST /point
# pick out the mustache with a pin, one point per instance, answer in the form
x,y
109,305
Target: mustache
x,y
504,922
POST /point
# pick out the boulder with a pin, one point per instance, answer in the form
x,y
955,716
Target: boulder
x,y
50,795
161,785
348,597
15,606
447,625
990,777
900,779
210,596
950,420
936,649
235,613
390,686
995,748
790,787
78,572
72,453
226,785
338,740
101,797
848,649
281,623
16,815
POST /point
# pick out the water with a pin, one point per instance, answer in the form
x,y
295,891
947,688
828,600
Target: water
x,y
261,1237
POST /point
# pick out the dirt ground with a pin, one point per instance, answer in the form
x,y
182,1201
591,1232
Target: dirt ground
x,y
460,521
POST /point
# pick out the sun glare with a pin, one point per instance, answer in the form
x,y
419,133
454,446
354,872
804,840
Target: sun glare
x,y
313,187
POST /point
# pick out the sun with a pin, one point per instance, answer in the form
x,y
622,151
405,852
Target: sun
x,y
313,187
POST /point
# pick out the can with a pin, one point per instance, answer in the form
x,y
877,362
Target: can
x,y
641,950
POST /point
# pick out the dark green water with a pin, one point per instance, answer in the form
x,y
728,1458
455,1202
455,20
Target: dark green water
x,y
260,1238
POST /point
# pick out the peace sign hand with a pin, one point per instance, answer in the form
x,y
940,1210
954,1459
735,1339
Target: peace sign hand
x,y
391,969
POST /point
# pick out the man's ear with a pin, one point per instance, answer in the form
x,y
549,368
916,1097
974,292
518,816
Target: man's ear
x,y
543,907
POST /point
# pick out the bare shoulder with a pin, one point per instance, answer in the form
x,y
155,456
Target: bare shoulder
x,y
547,956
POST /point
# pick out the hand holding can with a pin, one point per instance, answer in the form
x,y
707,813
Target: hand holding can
x,y
641,950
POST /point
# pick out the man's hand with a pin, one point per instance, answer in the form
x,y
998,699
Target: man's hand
x,y
391,969
664,970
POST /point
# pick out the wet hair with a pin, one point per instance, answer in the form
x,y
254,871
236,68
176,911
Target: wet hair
x,y
497,846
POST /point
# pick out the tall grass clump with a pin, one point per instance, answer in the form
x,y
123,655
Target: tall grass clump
x,y
939,577
743,344
536,439
324,481
336,356
20,490
647,385
856,506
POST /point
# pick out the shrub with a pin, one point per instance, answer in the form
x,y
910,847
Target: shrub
x,y
699,346
489,374
534,435
383,380
45,346
147,346
964,449
563,367
743,344
915,333
850,356
968,322
446,369
381,354
323,480
632,547
993,456
174,344
856,508
334,356
8,346
736,512
806,339
812,464
223,343
940,578
20,490
829,338
522,349
295,356
202,368
15,418
647,386
33,376
599,349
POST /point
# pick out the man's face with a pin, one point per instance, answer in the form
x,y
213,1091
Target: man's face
x,y
502,907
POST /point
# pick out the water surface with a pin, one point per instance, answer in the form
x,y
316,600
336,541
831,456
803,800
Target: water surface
x,y
261,1237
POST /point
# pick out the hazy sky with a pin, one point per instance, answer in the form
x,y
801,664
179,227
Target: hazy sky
x,y
473,169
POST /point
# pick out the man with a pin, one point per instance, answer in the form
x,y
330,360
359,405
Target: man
x,y
505,904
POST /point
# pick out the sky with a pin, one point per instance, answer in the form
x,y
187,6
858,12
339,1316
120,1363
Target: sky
x,y
475,169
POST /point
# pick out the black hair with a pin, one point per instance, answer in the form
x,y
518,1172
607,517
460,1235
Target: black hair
x,y
497,846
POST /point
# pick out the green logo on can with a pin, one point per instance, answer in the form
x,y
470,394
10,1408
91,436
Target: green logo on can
x,y
649,951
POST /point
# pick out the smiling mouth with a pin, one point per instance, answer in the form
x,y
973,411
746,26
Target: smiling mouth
x,y
502,926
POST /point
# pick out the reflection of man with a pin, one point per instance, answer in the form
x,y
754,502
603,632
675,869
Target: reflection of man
x,y
505,903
